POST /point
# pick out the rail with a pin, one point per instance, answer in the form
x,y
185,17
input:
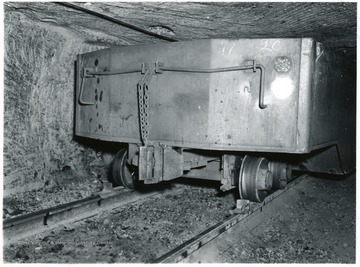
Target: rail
x,y
181,252
36,222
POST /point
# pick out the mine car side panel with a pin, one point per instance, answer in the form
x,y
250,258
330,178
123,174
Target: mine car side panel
x,y
217,111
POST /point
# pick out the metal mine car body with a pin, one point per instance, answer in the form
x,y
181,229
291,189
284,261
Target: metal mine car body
x,y
244,112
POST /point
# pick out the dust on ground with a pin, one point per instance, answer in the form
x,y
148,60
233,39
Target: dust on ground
x,y
312,223
138,232
65,186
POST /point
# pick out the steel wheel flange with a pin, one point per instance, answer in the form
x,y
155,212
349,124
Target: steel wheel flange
x,y
255,179
121,174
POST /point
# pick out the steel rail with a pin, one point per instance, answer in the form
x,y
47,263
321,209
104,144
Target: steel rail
x,y
184,250
44,220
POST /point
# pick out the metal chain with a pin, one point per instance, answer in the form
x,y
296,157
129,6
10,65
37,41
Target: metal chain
x,y
143,99
146,113
141,108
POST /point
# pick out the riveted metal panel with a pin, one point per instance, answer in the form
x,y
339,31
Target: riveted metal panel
x,y
198,110
235,119
173,98
309,96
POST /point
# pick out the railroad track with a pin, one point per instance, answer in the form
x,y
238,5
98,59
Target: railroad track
x,y
182,252
30,224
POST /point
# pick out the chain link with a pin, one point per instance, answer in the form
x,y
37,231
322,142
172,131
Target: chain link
x,y
143,99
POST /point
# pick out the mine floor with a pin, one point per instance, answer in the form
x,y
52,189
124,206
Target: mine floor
x,y
312,223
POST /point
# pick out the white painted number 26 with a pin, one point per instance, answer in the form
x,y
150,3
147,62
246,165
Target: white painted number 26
x,y
270,45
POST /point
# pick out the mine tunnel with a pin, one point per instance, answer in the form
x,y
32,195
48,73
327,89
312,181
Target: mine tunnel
x,y
75,128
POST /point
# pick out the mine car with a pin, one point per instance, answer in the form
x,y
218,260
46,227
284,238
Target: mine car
x,y
244,112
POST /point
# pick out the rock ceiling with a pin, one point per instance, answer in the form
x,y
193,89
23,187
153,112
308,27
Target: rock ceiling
x,y
333,24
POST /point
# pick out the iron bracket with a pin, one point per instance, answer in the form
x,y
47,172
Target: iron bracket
x,y
158,66
86,72
242,207
227,174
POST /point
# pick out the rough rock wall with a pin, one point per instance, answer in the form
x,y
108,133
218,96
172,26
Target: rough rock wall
x,y
39,103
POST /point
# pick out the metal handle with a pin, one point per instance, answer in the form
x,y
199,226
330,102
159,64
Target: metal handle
x,y
159,66
82,102
262,81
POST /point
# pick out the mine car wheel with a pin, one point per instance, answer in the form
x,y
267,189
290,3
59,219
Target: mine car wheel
x,y
281,174
255,179
121,173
